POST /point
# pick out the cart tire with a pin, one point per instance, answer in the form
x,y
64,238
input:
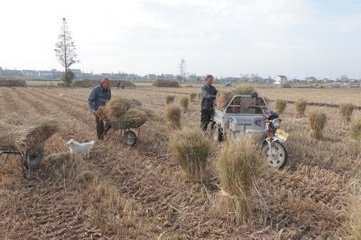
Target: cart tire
x,y
130,138
32,158
280,157
217,133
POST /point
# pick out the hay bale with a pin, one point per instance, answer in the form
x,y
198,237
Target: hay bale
x,y
239,165
190,148
135,114
169,99
317,123
184,103
28,135
125,83
93,83
300,106
133,118
193,97
134,103
345,111
116,108
223,99
165,83
173,115
355,131
243,90
12,83
281,105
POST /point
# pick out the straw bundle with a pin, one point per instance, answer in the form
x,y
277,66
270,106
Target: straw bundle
x,y
165,83
12,83
29,135
223,99
117,107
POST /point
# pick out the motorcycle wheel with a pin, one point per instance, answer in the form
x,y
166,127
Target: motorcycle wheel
x,y
279,156
217,134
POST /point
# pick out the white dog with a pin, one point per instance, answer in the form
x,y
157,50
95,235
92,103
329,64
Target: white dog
x,y
77,148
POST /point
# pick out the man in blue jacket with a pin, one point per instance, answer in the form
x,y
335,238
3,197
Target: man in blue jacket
x,y
209,93
99,96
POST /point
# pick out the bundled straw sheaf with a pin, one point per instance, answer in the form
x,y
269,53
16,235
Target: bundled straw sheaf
x,y
121,109
169,99
317,123
300,106
281,105
190,148
239,165
345,111
173,115
27,136
193,97
12,83
184,103
93,83
355,131
224,97
165,83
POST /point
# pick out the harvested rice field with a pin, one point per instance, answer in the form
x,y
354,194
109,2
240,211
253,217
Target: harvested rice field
x,y
141,192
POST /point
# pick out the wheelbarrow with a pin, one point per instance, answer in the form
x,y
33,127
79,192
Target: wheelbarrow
x,y
127,129
30,158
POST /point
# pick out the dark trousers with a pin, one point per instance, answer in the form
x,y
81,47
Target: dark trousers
x,y
102,128
206,118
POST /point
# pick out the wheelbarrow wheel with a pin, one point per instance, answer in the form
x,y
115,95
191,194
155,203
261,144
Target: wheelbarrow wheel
x,y
130,138
33,157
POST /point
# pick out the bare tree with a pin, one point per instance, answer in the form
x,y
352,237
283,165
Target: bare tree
x,y
182,70
65,52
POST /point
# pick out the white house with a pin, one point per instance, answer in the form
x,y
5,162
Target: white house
x,y
280,79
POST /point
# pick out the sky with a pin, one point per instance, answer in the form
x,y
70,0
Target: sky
x,y
296,38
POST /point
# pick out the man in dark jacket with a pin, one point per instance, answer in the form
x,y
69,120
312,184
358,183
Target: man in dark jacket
x,y
99,96
209,93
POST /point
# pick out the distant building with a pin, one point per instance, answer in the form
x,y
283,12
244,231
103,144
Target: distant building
x,y
30,74
280,79
12,73
45,74
311,79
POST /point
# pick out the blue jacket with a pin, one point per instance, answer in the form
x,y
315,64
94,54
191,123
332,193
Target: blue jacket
x,y
98,97
209,93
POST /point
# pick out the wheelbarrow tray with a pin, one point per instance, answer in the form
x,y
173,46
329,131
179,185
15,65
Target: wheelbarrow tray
x,y
126,124
9,149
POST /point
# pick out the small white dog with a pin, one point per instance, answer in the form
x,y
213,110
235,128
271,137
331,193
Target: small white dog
x,y
77,148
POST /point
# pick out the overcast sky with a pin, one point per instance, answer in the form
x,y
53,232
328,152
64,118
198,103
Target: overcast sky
x,y
298,38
